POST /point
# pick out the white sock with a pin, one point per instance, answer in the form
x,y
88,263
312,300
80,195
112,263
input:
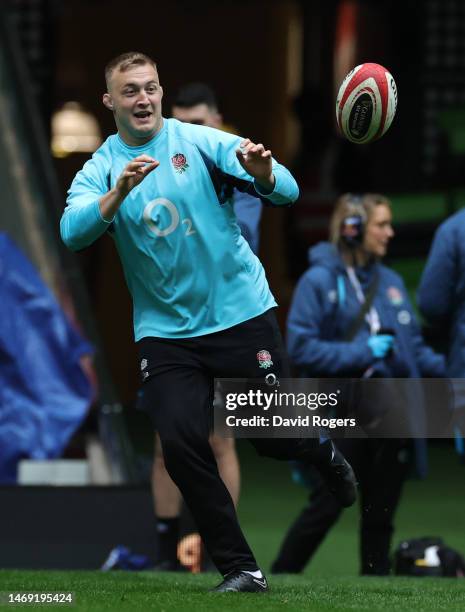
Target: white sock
x,y
256,574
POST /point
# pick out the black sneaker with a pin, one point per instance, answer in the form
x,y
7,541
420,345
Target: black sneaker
x,y
339,476
242,582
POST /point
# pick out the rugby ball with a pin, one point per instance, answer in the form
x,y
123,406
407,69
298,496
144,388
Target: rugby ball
x,y
366,103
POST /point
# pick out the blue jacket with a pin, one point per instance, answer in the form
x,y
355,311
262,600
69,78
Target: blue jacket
x,y
441,295
325,305
322,311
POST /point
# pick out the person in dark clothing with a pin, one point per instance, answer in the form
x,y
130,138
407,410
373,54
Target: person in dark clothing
x,y
441,300
387,343
441,294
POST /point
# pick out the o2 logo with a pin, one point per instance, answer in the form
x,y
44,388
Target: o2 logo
x,y
169,216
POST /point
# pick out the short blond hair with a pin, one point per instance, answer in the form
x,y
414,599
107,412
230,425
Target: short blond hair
x,y
125,61
350,204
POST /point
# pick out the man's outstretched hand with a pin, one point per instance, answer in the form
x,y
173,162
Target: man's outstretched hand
x,y
134,173
256,161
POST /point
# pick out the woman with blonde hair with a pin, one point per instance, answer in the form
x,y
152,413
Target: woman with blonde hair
x,y
351,318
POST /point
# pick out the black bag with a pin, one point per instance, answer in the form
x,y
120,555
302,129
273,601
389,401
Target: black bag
x,y
428,556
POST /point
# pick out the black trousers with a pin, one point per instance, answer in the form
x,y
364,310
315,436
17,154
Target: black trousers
x,y
381,467
178,394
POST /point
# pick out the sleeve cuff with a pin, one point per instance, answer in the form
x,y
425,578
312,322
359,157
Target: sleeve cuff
x,y
261,192
99,214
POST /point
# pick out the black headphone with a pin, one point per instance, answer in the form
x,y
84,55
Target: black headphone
x,y
352,230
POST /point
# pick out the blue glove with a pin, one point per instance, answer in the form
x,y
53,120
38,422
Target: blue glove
x,y
380,345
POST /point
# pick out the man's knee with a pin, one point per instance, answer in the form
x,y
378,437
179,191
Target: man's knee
x,y
183,453
173,453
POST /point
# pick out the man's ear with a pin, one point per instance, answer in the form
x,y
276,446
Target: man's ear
x,y
107,101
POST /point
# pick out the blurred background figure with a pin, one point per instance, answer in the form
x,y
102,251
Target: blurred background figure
x,y
441,293
351,317
196,103
441,299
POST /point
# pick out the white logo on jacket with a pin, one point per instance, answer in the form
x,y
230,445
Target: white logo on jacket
x,y
404,317
332,296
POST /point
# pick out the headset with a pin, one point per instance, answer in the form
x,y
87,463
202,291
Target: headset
x,y
352,230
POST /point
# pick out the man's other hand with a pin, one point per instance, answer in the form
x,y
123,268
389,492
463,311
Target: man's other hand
x,y
256,161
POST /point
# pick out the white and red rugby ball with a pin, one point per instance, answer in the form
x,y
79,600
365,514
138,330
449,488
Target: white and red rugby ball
x,y
366,103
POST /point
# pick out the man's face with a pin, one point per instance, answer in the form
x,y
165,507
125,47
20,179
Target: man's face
x,y
200,114
135,96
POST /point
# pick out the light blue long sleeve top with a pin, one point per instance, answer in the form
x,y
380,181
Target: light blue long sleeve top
x,y
188,268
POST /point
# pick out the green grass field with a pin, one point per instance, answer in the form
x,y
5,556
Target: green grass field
x,y
162,592
269,502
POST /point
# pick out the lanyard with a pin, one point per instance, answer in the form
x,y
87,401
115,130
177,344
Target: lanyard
x,y
371,317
